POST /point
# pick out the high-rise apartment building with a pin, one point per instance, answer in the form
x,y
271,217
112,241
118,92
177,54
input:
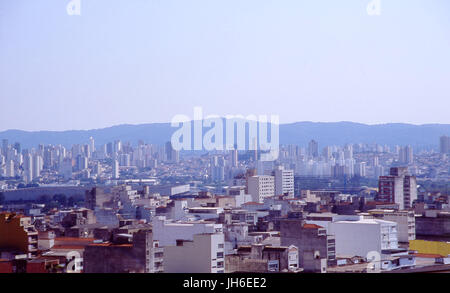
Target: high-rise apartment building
x,y
234,158
399,187
38,165
406,155
28,168
284,181
5,147
444,144
172,155
115,169
313,149
260,187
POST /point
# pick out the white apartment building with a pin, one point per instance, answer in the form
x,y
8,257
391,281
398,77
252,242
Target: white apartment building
x,y
167,232
203,254
238,192
205,213
9,170
358,238
284,181
325,219
260,187
406,222
115,169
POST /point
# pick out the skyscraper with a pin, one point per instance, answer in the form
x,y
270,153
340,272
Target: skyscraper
x,y
444,144
284,181
406,155
91,144
117,146
38,164
66,168
5,147
234,158
28,167
115,170
313,149
172,155
260,187
399,187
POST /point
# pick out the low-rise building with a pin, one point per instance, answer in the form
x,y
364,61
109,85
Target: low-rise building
x,y
275,258
361,237
405,220
310,239
18,234
203,254
141,254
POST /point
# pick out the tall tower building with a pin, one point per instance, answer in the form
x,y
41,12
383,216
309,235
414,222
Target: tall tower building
x,y
234,158
115,170
348,152
9,169
5,147
284,182
38,164
17,147
260,187
406,155
66,168
28,168
399,187
217,168
361,169
117,146
313,149
172,155
91,144
444,144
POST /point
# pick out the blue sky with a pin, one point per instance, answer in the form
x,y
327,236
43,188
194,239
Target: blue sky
x,y
142,61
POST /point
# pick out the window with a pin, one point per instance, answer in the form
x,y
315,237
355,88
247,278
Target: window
x,y
220,245
220,255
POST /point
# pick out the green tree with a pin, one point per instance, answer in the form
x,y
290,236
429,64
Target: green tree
x,y
61,199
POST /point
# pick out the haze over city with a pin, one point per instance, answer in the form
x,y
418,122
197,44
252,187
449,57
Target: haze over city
x,y
146,61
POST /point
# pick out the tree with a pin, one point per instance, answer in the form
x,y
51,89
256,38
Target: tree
x,y
44,199
71,201
61,199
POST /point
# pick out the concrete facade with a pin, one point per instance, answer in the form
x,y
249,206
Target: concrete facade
x,y
203,254
308,238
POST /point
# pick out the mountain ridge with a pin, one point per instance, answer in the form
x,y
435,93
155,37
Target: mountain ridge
x,y
300,133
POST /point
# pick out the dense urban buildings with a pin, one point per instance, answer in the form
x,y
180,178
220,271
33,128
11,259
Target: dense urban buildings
x,y
145,208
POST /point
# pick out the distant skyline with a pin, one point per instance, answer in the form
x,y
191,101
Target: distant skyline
x,y
135,62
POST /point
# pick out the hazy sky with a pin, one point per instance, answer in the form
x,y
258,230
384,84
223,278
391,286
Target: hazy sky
x,y
141,61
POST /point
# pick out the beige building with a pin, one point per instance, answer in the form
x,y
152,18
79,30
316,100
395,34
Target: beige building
x,y
260,187
406,222
204,254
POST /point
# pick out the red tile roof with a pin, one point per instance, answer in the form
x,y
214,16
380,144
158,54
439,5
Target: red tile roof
x,y
68,247
253,203
311,226
74,239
